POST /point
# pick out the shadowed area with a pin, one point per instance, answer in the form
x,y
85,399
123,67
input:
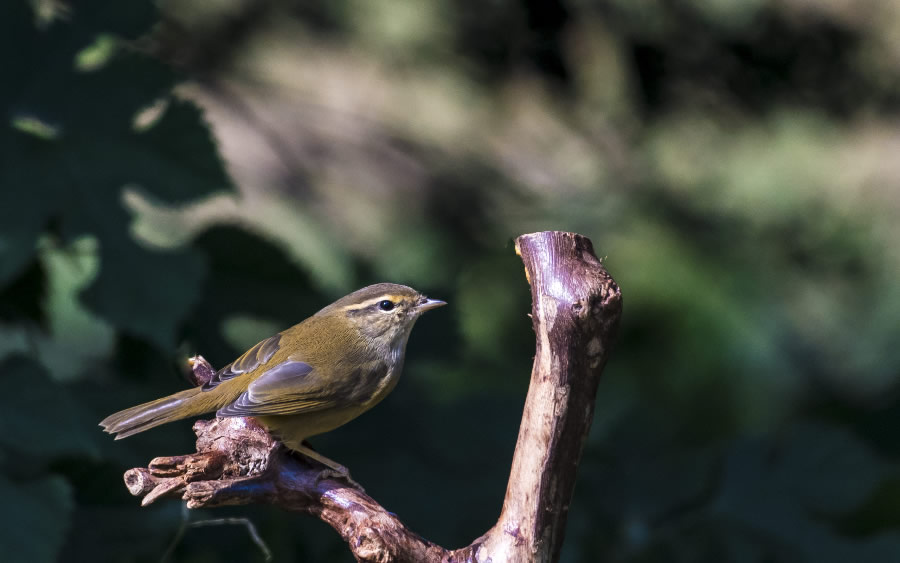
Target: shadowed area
x,y
182,177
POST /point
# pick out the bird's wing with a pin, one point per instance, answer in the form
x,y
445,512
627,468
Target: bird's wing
x,y
291,387
252,359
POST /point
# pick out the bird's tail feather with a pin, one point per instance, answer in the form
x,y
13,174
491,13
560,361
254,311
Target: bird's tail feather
x,y
143,417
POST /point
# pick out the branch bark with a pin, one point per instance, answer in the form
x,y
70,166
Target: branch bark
x,y
576,307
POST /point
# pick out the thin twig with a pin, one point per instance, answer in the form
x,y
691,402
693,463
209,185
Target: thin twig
x,y
251,530
179,534
231,521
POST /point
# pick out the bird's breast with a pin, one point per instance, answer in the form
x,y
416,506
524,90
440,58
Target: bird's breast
x,y
382,385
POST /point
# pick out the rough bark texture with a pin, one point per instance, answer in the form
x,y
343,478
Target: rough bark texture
x,y
576,309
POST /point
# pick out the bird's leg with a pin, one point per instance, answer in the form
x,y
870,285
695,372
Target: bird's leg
x,y
311,453
335,469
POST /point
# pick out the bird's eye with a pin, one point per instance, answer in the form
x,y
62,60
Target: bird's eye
x,y
386,305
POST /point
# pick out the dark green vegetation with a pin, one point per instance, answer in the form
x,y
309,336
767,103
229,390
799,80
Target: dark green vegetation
x,y
735,163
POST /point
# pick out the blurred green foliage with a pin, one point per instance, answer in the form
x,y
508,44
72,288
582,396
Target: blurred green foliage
x,y
191,177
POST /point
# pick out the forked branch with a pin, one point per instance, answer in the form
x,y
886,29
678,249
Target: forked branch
x,y
576,307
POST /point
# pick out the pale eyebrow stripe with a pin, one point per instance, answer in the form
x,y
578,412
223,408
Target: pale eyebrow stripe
x,y
374,300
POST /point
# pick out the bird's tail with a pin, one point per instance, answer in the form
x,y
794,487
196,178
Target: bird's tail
x,y
143,417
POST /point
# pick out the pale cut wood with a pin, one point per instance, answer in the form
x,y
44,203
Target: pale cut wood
x,y
576,307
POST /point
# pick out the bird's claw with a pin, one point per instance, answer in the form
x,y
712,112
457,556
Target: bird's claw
x,y
342,473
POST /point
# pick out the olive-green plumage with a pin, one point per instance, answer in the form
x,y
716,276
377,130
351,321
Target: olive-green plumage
x,y
308,379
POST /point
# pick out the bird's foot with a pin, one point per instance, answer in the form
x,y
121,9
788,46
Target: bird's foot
x,y
334,469
341,473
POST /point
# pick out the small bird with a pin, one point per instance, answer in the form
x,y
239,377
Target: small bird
x,y
308,379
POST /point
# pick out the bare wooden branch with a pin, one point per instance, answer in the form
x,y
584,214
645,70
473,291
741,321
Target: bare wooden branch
x,y
576,309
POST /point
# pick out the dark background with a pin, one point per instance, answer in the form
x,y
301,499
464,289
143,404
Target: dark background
x,y
193,178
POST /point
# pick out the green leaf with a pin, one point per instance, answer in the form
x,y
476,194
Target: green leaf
x,y
39,416
116,532
815,462
27,199
641,492
786,493
176,159
23,299
35,519
72,180
253,277
145,293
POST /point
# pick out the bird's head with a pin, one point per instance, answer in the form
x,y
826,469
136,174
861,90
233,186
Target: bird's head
x,y
384,311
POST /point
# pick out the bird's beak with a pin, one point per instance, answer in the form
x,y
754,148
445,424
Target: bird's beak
x,y
426,304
